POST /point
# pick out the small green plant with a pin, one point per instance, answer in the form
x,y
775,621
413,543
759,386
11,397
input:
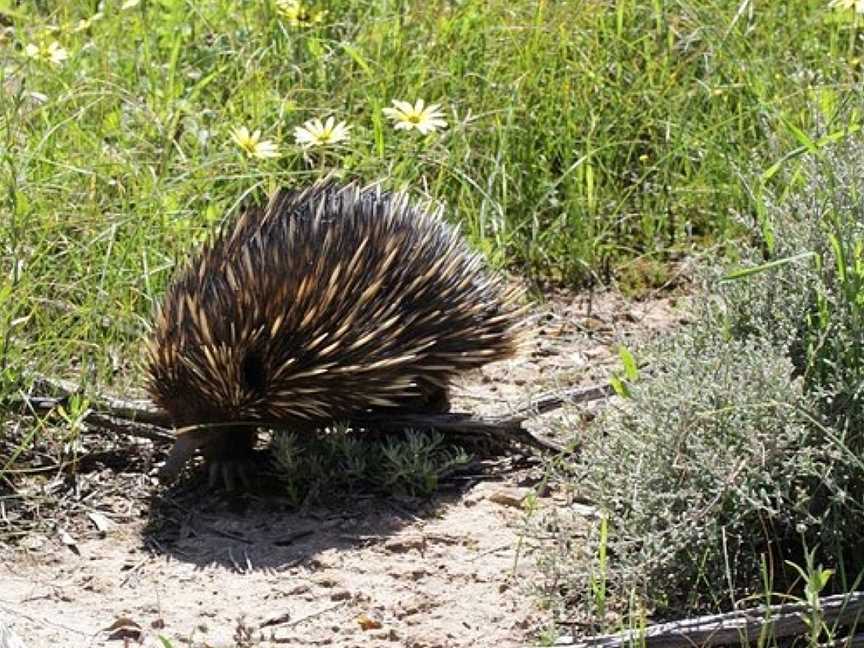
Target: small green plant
x,y
630,373
343,459
815,579
599,577
74,413
416,463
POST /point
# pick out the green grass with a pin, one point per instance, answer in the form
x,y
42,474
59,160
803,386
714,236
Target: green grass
x,y
585,138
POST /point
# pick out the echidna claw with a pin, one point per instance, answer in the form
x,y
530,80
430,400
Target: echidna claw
x,y
228,473
213,470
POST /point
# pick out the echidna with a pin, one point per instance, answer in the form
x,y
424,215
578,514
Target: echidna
x,y
330,302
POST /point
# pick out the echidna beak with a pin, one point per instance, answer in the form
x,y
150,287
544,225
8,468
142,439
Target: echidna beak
x,y
185,446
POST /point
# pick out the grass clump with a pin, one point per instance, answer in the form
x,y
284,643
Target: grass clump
x,y
743,451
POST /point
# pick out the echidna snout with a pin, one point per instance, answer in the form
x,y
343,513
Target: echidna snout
x,y
329,303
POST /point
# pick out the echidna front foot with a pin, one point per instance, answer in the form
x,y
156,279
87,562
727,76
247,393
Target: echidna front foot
x,y
228,453
228,473
229,457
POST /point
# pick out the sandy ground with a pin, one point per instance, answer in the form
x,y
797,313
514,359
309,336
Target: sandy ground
x,y
129,564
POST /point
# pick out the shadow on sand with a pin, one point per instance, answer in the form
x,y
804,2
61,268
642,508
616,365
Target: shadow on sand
x,y
261,529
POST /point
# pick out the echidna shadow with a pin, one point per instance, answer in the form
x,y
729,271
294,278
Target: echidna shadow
x,y
329,303
248,533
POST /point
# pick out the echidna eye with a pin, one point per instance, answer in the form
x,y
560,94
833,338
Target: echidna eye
x,y
252,370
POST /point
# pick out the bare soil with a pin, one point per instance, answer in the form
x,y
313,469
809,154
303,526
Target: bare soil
x,y
103,556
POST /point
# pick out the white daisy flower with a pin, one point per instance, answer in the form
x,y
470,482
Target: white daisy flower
x,y
51,53
252,144
426,119
315,133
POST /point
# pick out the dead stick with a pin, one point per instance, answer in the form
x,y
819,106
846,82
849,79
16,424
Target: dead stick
x,y
129,427
785,620
51,392
555,400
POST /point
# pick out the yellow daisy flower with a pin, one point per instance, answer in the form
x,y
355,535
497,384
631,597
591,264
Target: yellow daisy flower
x,y
297,14
252,144
425,119
316,133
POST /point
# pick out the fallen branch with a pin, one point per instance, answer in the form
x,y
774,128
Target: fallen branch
x,y
741,626
129,427
48,393
142,419
507,425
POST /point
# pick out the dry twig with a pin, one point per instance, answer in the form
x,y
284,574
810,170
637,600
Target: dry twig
x,y
736,628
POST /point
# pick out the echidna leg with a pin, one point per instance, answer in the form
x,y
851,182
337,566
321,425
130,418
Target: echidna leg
x,y
184,448
228,452
437,399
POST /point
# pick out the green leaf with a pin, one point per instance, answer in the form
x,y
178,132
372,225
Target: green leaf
x,y
820,579
802,137
631,371
357,57
746,272
808,146
839,257
771,171
838,135
619,387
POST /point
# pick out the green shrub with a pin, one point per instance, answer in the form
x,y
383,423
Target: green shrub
x,y
743,447
814,308
704,470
